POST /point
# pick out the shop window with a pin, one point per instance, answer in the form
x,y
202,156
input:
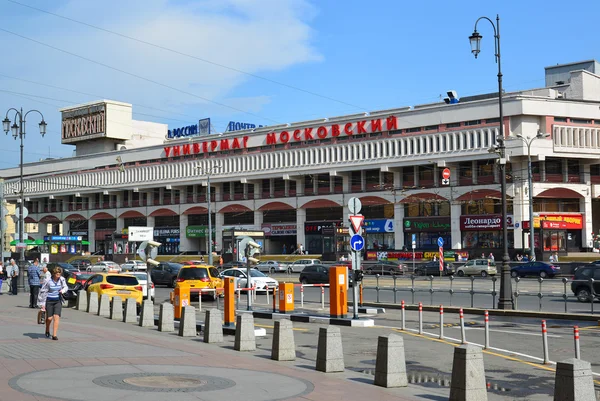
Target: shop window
x,y
238,218
426,209
485,171
166,221
427,240
425,175
465,173
324,214
279,187
133,221
453,125
238,190
485,239
323,183
408,176
106,224
279,216
573,170
484,206
200,219
595,172
338,185
266,188
380,241
556,205
292,189
378,211
554,170
356,180
554,241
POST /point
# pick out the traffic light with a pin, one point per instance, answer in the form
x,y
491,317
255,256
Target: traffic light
x,y
358,276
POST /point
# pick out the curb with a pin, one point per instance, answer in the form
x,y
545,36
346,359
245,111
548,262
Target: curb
x,y
496,312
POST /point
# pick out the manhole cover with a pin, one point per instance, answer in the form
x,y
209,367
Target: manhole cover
x,y
160,382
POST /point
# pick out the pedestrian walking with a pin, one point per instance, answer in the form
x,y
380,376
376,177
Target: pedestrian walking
x,y
33,278
13,273
1,276
491,257
50,300
46,275
284,250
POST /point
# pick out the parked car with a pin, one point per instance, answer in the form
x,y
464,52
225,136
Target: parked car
x,y
259,279
198,277
271,266
540,269
165,273
67,267
580,285
433,269
114,284
81,264
134,265
298,265
105,267
142,278
319,274
193,262
383,267
232,264
77,278
477,267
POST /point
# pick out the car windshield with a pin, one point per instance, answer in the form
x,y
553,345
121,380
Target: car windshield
x,y
193,273
256,273
122,280
176,266
140,276
67,266
83,276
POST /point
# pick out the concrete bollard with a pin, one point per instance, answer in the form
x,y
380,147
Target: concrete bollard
x,y
213,326
82,299
147,314
283,347
390,366
574,381
244,333
468,374
187,323
104,307
92,302
330,355
116,309
166,317
130,311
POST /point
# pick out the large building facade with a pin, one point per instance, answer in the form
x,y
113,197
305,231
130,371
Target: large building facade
x,y
293,181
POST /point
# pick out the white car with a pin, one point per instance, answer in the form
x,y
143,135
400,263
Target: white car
x,y
142,278
258,279
298,265
134,265
271,266
104,267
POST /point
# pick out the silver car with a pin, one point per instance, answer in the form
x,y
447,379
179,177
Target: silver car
x,y
299,265
134,265
271,266
104,267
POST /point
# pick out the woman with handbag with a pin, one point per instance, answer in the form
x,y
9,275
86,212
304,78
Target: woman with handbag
x,y
50,300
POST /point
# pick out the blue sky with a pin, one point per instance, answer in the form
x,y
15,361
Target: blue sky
x,y
389,54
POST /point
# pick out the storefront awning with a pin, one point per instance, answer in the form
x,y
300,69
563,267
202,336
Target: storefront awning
x,y
560,193
423,197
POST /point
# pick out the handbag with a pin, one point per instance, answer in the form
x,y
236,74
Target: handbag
x,y
41,317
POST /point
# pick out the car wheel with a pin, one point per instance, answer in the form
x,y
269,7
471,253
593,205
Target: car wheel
x,y
104,270
460,273
484,273
583,294
420,272
289,270
304,281
393,271
543,274
514,274
369,271
173,281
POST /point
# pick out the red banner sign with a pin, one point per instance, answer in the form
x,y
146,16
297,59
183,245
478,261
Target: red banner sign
x,y
562,221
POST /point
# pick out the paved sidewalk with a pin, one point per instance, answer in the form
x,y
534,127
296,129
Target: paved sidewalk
x,y
100,359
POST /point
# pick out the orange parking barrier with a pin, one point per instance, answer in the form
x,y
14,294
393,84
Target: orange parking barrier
x,y
181,299
286,297
360,295
338,291
229,304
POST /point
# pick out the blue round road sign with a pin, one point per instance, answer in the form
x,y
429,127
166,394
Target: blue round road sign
x,y
440,242
357,242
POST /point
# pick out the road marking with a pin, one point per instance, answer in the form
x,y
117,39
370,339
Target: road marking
x,y
512,332
589,328
264,326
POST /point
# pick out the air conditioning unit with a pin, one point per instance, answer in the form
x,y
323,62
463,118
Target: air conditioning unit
x,y
118,146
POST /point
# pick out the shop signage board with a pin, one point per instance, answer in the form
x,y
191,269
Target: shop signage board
x,y
239,126
136,233
166,232
379,226
83,123
197,231
62,238
556,221
484,222
431,224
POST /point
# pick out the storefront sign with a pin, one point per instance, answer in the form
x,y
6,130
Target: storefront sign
x,y
62,238
379,226
484,222
317,228
183,132
237,126
279,229
166,232
83,123
198,231
562,221
140,233
427,224
77,233
333,130
206,147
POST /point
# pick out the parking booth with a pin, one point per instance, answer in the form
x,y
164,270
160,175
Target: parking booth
x,y
286,297
181,299
338,291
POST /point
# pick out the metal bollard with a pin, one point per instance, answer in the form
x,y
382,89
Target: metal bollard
x,y
576,339
267,294
275,290
360,294
441,321
200,300
402,316
451,291
395,289
377,286
539,294
472,292
516,293
463,336
412,288
420,318
322,297
487,330
564,295
430,290
494,293
302,295
545,342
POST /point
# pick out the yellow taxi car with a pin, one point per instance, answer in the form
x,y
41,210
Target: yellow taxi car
x,y
113,285
199,277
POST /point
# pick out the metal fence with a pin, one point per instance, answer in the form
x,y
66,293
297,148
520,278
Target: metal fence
x,y
566,295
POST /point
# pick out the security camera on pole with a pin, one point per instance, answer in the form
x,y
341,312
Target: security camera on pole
x,y
357,244
148,251
250,249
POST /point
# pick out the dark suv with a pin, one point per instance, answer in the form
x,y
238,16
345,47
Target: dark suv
x,y
165,273
433,269
581,286
319,274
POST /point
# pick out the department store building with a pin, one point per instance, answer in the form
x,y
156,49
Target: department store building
x,y
293,181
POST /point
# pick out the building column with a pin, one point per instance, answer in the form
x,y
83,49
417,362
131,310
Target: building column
x,y
300,220
416,176
455,211
92,235
66,227
399,226
217,189
520,207
474,171
588,228
300,189
258,189
185,243
286,188
150,220
363,180
258,219
346,183
120,224
219,221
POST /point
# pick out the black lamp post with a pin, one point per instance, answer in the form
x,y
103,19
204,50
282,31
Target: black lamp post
x,y
506,297
18,130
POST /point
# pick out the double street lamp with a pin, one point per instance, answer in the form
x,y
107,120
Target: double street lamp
x,y
528,141
208,172
505,300
18,131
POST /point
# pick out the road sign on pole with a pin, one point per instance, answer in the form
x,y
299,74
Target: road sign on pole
x,y
357,243
357,221
446,174
354,205
440,242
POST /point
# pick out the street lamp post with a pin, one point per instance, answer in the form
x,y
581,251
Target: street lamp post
x,y
505,300
528,141
19,131
208,172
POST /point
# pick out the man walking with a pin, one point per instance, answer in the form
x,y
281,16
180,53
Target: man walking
x,y
13,273
33,277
